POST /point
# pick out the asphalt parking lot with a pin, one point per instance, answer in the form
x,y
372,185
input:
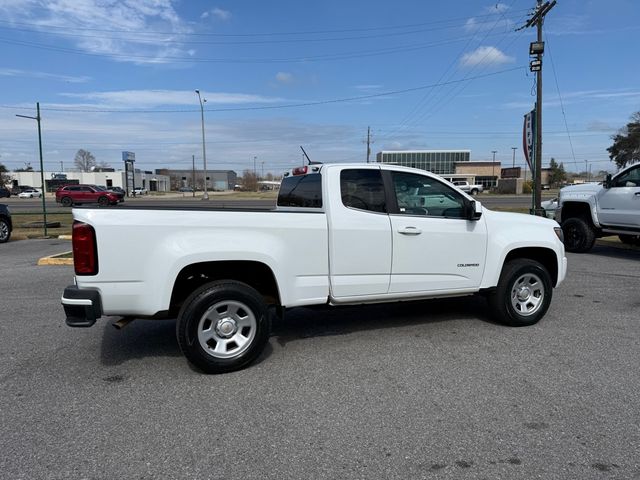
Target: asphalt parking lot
x,y
422,390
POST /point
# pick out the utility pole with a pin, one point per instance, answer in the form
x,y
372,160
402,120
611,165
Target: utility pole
x,y
514,156
255,173
262,166
369,142
193,174
536,49
205,196
493,166
44,206
61,166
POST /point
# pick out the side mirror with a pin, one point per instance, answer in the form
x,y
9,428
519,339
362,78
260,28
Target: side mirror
x,y
607,181
474,210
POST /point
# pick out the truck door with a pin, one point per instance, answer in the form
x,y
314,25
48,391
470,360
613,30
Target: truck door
x,y
434,246
359,233
620,204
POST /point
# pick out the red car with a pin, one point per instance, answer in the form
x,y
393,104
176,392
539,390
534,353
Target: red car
x,y
78,194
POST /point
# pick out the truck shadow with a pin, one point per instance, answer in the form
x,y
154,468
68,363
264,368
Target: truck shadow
x,y
623,253
140,339
157,338
301,323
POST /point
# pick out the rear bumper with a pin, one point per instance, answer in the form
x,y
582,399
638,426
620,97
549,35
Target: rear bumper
x,y
82,307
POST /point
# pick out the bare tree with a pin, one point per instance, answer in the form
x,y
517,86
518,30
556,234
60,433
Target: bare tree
x,y
249,180
5,178
84,160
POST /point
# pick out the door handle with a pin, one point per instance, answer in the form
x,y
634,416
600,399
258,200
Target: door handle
x,y
410,231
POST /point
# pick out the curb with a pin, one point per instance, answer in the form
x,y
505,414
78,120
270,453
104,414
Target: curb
x,y
55,260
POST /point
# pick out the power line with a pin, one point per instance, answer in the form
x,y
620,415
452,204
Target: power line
x,y
186,59
274,107
252,34
553,68
146,36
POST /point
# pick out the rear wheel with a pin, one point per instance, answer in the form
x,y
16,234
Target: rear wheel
x,y
5,233
579,235
103,201
474,192
523,294
66,201
223,326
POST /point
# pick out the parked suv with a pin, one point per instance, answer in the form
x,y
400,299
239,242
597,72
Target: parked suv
x,y
5,224
589,211
77,194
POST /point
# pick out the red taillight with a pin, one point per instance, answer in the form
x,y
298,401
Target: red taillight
x,y
300,170
85,251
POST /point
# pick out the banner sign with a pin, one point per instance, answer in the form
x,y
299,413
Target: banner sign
x,y
528,138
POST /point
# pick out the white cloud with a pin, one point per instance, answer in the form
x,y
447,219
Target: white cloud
x,y
132,99
474,25
485,56
123,30
219,13
284,77
12,72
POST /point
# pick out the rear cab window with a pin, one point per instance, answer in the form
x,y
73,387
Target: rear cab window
x,y
301,190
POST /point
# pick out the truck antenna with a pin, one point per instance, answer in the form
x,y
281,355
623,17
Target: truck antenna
x,y
308,159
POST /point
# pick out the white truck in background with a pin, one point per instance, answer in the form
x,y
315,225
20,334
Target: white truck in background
x,y
592,210
341,234
468,188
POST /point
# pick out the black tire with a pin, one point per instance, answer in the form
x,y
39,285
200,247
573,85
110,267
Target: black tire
x,y
630,239
523,294
240,310
66,201
474,192
5,232
103,201
579,235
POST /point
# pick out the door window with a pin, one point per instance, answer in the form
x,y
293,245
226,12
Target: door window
x,y
629,179
426,196
363,189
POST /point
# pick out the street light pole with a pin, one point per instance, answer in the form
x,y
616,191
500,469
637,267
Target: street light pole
x,y
514,156
204,151
255,174
37,118
493,166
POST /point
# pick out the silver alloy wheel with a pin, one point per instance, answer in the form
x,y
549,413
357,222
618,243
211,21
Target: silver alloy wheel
x,y
227,329
4,231
527,294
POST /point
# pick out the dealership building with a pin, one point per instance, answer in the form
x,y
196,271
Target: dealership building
x,y
217,180
450,164
107,177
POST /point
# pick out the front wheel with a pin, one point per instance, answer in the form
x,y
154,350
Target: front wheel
x,y
474,192
66,201
223,326
5,232
523,294
103,201
579,235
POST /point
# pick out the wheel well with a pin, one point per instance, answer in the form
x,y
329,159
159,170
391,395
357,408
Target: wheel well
x,y
544,256
254,274
576,209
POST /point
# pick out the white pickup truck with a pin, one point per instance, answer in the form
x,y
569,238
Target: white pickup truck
x,y
468,188
591,210
340,234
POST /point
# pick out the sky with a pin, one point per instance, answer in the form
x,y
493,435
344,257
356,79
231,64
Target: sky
x,y
113,76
